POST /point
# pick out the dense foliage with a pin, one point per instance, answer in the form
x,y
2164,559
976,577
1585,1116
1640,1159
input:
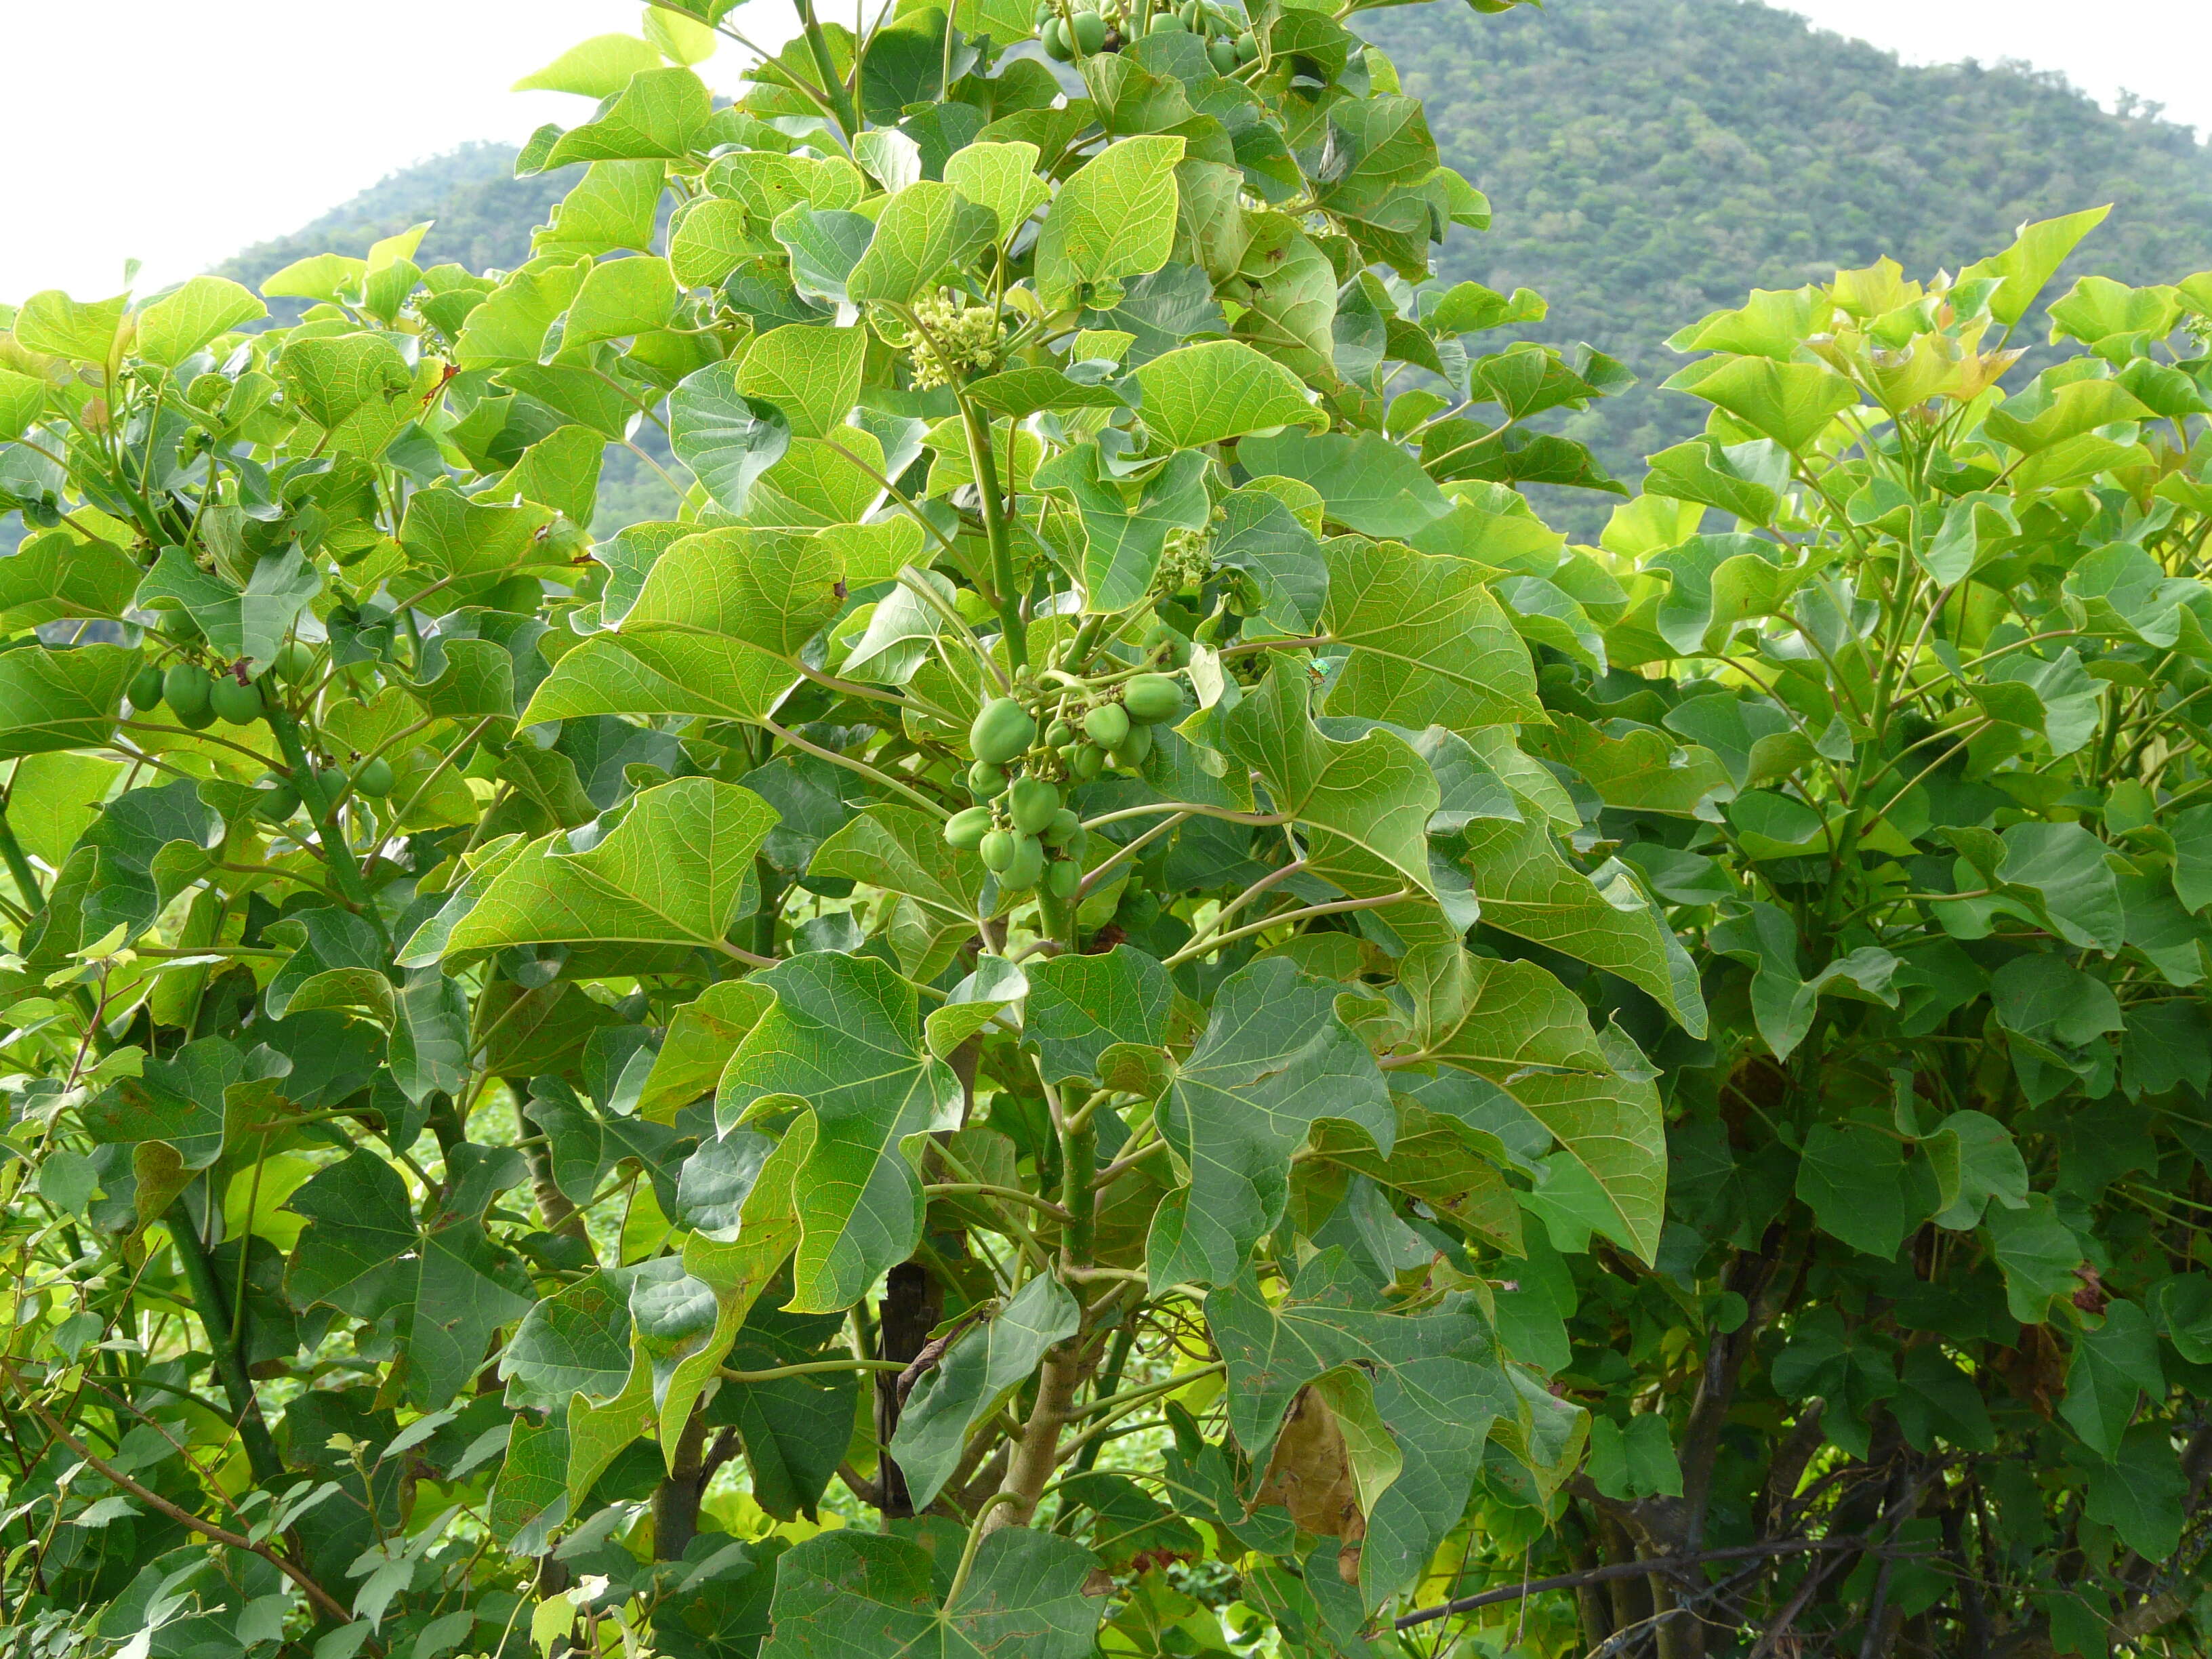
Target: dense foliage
x,y
1106,1003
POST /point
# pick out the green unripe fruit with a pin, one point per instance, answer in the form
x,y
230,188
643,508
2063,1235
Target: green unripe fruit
x,y
234,703
1040,17
375,780
964,831
1062,878
1030,804
295,661
1221,55
333,782
146,689
179,625
1188,11
1087,761
1153,698
1058,735
277,801
1055,41
1246,47
1164,639
1167,23
187,687
997,847
1135,747
985,781
1064,828
1001,732
1026,864
1107,725
1089,32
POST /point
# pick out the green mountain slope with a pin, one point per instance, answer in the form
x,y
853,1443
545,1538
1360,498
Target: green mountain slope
x,y
1646,161
484,215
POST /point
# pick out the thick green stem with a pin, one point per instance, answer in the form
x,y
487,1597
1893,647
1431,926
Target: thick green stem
x,y
1058,915
994,526
676,1499
1078,1160
208,1303
772,888
1036,1452
1085,643
445,1122
18,865
833,84
345,870
554,1209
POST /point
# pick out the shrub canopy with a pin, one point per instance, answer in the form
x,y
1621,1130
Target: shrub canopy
x,y
1108,1004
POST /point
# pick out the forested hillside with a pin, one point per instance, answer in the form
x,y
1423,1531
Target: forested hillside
x,y
483,213
1646,161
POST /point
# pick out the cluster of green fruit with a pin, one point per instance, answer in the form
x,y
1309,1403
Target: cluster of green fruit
x,y
1088,26
279,794
198,696
1025,833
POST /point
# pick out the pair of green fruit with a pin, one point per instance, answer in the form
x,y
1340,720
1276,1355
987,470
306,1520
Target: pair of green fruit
x,y
197,697
1063,37
280,796
1020,861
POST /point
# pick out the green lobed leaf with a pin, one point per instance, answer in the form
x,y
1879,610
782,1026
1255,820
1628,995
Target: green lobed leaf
x,y
843,1042
671,873
1274,1061
843,1593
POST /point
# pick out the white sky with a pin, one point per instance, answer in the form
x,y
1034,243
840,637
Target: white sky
x,y
177,131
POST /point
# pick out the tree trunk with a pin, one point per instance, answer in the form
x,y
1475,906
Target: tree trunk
x,y
676,1499
913,1303
1632,1597
1029,1469
1680,1633
1592,1605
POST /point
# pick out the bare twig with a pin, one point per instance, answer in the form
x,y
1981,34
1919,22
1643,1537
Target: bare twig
x,y
1672,1564
322,1598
